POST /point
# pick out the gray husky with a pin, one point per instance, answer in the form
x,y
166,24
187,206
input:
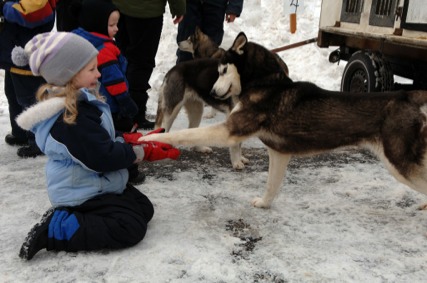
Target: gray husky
x,y
201,45
188,84
299,118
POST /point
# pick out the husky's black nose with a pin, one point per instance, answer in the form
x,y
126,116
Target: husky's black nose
x,y
213,93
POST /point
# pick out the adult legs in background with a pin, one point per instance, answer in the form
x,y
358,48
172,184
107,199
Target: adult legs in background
x,y
18,136
138,40
25,88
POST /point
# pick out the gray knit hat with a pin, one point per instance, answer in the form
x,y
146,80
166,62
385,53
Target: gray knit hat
x,y
56,56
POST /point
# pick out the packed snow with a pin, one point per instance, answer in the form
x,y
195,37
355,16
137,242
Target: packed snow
x,y
339,217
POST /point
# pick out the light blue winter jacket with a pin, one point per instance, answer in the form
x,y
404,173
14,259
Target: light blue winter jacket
x,y
81,165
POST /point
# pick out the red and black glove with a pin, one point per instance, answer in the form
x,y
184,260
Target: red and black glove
x,y
132,138
153,150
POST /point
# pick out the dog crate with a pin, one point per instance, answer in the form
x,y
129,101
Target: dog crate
x,y
378,39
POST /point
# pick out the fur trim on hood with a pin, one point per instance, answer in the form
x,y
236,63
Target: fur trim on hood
x,y
40,112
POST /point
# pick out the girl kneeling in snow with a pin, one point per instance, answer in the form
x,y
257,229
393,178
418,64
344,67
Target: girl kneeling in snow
x,y
94,207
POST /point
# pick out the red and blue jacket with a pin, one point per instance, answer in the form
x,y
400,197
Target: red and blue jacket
x,y
112,66
23,20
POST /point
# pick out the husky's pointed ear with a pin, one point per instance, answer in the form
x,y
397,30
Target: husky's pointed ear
x,y
239,43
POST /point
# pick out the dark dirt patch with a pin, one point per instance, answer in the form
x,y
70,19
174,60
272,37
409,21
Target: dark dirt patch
x,y
207,164
267,276
247,235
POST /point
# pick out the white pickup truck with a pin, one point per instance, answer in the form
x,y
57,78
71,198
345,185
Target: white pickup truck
x,y
378,39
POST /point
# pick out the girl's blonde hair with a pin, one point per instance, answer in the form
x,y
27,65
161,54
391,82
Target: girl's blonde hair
x,y
71,94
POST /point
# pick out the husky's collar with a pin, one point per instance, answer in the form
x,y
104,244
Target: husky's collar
x,y
40,112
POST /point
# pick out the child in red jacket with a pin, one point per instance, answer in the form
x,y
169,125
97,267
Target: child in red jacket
x,y
98,21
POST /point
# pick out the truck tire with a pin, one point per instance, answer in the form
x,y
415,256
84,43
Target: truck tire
x,y
367,72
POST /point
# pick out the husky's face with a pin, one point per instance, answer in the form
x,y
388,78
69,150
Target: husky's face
x,y
228,83
186,45
194,41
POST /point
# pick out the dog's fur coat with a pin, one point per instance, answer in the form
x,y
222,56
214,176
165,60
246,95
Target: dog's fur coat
x,y
299,118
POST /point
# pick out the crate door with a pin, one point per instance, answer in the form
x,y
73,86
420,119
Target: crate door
x,y
383,13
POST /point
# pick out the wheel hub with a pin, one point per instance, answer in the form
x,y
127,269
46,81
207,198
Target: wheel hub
x,y
359,82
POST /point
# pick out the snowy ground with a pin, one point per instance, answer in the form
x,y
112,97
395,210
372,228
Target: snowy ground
x,y
340,217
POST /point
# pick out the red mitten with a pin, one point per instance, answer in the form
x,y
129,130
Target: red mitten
x,y
132,138
157,150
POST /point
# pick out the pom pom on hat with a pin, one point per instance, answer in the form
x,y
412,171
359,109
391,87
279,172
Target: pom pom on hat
x,y
56,56
19,57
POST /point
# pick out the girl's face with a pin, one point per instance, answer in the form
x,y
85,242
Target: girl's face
x,y
88,76
113,20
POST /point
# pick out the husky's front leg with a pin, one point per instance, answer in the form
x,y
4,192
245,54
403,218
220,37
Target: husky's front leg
x,y
237,159
215,135
277,165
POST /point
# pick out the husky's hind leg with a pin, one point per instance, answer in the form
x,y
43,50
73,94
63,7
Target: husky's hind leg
x,y
416,177
277,164
194,109
418,182
411,173
159,114
169,116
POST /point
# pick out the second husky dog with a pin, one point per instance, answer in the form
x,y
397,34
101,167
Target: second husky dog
x,y
188,84
201,45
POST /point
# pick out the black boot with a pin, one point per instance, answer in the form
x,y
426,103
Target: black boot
x,y
29,151
13,140
36,239
135,176
137,180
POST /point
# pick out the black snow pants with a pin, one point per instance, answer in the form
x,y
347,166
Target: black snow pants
x,y
108,221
